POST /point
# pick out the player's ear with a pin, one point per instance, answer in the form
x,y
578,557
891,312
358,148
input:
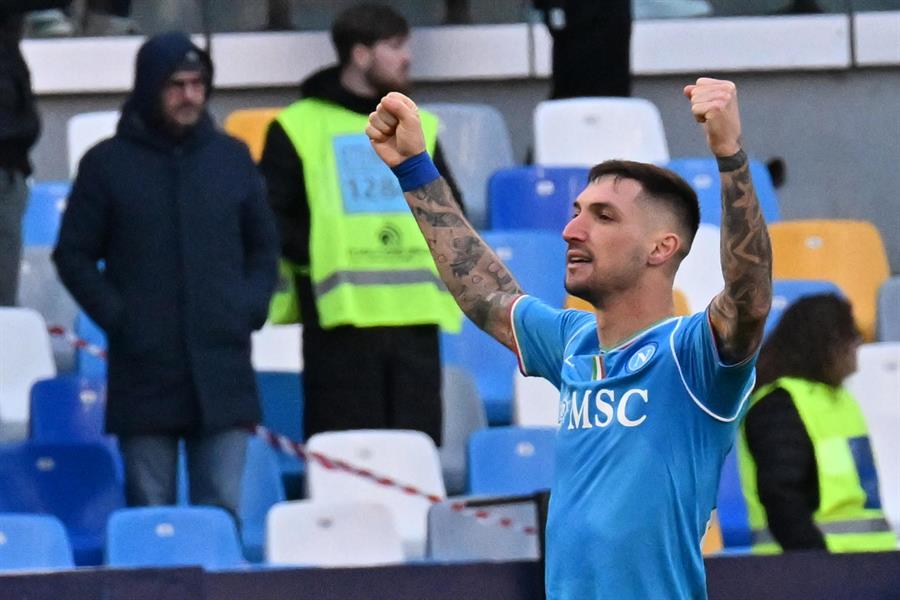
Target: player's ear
x,y
665,247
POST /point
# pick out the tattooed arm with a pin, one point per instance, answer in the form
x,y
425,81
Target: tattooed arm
x,y
738,313
478,280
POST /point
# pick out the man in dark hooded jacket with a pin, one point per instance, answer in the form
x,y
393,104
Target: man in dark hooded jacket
x,y
177,212
369,297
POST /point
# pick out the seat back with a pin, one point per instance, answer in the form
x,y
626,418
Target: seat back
x,y
84,130
281,399
31,542
407,457
250,125
537,259
332,534
586,131
78,483
703,176
534,197
699,277
456,536
889,310
511,460
277,348
463,414
88,363
46,203
536,402
731,508
25,357
475,142
261,489
68,408
876,386
168,536
850,254
787,291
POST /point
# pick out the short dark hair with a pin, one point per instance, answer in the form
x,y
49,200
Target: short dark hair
x,y
365,24
803,343
662,185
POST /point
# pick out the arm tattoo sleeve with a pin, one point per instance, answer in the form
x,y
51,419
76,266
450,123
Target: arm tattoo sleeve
x,y
478,280
739,312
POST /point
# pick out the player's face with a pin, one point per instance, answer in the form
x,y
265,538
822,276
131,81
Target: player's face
x,y
183,99
388,65
607,238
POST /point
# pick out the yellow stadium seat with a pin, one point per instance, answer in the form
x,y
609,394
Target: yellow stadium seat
x,y
678,298
850,254
250,126
712,541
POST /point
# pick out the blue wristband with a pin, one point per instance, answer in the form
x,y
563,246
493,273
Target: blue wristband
x,y
415,171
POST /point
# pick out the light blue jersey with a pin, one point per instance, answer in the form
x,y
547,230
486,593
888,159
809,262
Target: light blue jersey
x,y
643,430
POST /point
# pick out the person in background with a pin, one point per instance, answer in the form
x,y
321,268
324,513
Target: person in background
x,y
806,464
369,296
19,130
176,211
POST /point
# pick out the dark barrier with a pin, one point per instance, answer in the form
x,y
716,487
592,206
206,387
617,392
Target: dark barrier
x,y
106,584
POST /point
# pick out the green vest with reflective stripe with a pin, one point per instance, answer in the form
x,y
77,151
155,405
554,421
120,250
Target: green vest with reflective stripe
x,y
848,515
369,264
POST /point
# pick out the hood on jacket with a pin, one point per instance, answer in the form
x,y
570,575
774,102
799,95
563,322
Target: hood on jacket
x,y
158,58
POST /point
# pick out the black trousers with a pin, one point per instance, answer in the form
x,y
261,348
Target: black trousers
x,y
372,378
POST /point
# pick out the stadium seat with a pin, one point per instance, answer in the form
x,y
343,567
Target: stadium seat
x,y
84,130
277,348
731,506
537,260
33,542
332,534
408,457
68,408
456,536
169,536
534,197
261,488
511,460
46,203
703,176
41,289
699,277
876,386
787,291
281,398
850,254
250,125
463,414
89,364
25,357
475,142
535,403
889,310
77,483
585,131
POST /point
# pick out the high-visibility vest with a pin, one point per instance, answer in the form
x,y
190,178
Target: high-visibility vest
x,y
849,513
369,264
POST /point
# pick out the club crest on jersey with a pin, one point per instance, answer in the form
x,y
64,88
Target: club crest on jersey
x,y
640,358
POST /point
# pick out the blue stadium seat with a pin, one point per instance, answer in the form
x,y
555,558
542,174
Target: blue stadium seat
x,y
68,408
261,488
511,460
787,291
534,197
86,363
31,542
77,483
703,175
168,536
46,202
537,259
731,507
888,327
281,396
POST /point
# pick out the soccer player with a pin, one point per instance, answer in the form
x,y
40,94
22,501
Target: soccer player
x,y
649,402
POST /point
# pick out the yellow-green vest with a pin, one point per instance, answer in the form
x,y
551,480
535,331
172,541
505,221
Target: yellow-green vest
x,y
369,264
849,513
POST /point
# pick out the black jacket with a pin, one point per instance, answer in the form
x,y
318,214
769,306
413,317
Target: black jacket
x,y
283,171
19,123
190,253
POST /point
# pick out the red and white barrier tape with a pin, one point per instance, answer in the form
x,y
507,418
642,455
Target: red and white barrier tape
x,y
288,446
